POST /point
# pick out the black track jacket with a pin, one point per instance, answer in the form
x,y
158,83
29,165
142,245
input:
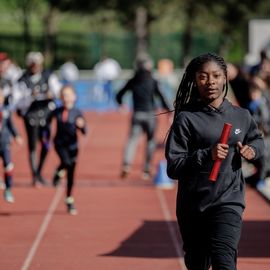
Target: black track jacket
x,y
188,153
66,132
144,88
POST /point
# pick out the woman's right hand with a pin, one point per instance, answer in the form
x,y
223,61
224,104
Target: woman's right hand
x,y
220,151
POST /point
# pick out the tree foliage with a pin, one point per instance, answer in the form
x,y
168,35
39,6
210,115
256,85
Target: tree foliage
x,y
227,18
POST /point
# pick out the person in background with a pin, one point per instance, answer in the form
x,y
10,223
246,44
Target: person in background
x,y
9,74
69,72
7,130
69,120
9,69
259,108
144,89
106,71
239,82
209,213
38,89
255,69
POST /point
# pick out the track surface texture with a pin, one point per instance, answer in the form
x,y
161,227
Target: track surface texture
x,y
122,224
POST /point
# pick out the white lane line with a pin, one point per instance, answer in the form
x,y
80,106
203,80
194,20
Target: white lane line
x,y
43,228
168,217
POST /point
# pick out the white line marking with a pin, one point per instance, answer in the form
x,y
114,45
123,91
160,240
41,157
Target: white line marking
x,y
43,228
168,218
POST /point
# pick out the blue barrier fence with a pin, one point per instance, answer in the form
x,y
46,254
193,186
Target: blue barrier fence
x,y
94,95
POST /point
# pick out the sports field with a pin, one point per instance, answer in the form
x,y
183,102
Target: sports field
x,y
122,224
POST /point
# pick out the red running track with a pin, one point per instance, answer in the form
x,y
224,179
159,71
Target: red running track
x,y
121,224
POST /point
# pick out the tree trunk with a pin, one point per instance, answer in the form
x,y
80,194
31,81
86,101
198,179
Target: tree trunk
x,y
26,28
225,44
141,31
187,35
50,26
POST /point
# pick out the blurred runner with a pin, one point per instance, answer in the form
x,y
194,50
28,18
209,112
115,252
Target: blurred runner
x,y
7,130
144,89
69,120
39,88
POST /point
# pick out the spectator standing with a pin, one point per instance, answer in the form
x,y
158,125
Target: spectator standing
x,y
106,71
69,72
9,74
255,69
239,82
259,108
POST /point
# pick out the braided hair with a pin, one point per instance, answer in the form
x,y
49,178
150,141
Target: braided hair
x,y
187,91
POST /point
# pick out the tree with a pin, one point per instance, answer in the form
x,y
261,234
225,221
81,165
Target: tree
x,y
26,7
228,18
231,19
137,16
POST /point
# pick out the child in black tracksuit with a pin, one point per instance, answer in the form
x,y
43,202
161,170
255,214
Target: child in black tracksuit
x,y
69,119
7,130
209,213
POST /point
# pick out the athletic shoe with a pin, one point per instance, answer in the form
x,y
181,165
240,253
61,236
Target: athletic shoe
x,y
2,184
35,182
146,176
260,184
42,181
57,177
125,171
70,206
39,181
8,196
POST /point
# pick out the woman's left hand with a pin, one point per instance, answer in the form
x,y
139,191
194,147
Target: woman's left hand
x,y
246,151
80,122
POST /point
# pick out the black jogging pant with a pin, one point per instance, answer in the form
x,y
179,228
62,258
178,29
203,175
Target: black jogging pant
x,y
211,239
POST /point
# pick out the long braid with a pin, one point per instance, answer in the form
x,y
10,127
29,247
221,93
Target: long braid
x,y
187,91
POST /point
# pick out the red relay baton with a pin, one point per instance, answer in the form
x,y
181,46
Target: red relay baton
x,y
223,139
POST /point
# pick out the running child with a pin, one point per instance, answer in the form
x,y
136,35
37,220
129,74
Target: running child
x,y
69,120
7,130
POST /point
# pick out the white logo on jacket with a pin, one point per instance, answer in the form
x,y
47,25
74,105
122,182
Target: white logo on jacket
x,y
237,131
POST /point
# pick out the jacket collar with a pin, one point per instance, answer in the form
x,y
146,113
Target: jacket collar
x,y
208,108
